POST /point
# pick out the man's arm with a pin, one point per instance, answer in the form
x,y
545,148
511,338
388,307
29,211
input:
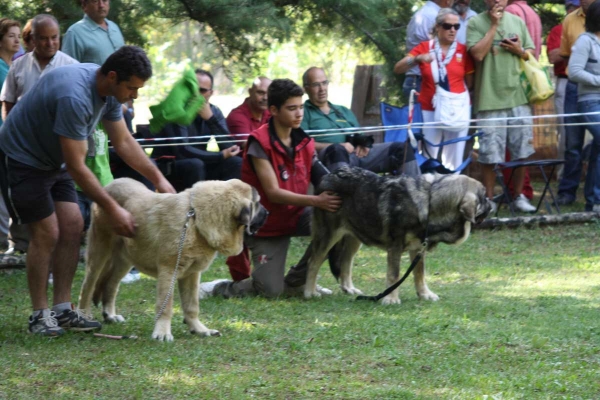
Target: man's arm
x,y
266,175
74,152
481,49
70,46
6,107
131,152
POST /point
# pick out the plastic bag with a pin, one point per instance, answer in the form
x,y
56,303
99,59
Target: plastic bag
x,y
535,81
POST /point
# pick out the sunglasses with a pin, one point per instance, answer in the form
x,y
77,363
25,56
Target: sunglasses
x,y
448,26
204,90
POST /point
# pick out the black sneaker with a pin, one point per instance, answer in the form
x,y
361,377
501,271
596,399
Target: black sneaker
x,y
76,320
45,324
564,200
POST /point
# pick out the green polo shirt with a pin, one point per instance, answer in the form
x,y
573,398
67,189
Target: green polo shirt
x,y
497,77
88,42
338,117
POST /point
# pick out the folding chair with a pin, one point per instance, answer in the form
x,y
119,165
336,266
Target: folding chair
x,y
513,165
403,118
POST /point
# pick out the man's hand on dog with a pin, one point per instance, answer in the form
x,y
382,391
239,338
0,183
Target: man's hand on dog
x,y
122,222
329,201
361,151
164,186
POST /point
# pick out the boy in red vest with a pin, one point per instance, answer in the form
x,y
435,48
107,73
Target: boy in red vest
x,y
278,161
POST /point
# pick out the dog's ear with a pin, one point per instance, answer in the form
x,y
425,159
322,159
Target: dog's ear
x,y
468,206
245,215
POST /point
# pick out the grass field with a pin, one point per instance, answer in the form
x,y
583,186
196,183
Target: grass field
x,y
518,319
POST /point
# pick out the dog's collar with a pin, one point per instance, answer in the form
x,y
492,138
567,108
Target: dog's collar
x,y
191,212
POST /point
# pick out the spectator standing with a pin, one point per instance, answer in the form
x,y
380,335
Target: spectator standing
x,y
10,33
463,8
23,74
445,62
521,9
573,26
42,150
532,20
584,69
560,73
253,112
185,165
278,160
334,149
95,37
497,41
419,30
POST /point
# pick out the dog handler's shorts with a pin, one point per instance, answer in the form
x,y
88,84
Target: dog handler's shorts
x,y
30,193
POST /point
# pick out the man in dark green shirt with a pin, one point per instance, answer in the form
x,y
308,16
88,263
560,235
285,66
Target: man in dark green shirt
x,y
334,150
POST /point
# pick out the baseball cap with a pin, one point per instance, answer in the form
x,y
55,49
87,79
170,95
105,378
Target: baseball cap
x,y
572,3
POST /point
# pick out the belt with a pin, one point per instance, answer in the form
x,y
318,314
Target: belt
x,y
562,76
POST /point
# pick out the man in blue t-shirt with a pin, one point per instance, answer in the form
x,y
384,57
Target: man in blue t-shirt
x,y
43,145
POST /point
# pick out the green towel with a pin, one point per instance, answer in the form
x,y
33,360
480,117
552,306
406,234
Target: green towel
x,y
181,105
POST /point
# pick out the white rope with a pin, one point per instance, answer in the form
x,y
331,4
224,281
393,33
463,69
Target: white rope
x,y
321,133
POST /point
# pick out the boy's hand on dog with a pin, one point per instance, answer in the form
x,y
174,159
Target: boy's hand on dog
x,y
328,201
122,222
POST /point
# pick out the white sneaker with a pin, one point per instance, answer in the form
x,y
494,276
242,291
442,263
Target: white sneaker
x,y
324,290
522,204
494,208
206,288
596,208
131,277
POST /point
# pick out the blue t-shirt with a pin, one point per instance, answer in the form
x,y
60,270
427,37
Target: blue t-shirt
x,y
64,102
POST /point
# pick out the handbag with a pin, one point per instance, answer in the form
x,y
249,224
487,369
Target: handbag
x,y
535,81
452,111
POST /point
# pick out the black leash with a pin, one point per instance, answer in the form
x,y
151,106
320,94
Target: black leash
x,y
415,261
389,290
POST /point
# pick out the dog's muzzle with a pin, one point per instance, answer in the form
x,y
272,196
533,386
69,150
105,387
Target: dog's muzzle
x,y
258,220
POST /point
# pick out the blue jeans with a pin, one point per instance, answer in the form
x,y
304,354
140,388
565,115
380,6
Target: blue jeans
x,y
591,189
574,138
411,82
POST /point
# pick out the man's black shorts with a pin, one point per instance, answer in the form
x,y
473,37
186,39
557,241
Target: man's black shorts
x,y
30,193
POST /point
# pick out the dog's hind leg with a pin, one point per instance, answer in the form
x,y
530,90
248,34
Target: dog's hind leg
x,y
419,274
393,273
98,253
320,245
119,268
349,246
188,290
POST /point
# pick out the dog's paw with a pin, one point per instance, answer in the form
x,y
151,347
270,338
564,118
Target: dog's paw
x,y
162,337
208,332
311,293
109,319
162,331
351,290
389,300
428,295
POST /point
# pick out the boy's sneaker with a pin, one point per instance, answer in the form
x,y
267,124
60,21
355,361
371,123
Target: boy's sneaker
x,y
45,324
493,208
76,320
207,289
13,258
132,276
522,204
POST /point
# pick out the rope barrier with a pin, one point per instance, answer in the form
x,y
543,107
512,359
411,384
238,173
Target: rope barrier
x,y
473,124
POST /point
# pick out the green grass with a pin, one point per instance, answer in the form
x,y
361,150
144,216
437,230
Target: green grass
x,y
518,319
